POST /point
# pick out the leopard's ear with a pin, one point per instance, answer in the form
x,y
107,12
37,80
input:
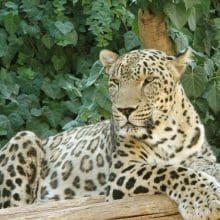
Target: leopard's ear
x,y
180,62
107,58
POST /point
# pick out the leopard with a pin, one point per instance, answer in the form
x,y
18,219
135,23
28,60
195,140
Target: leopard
x,y
154,143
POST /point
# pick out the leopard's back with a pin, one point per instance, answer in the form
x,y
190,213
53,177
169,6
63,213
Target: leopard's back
x,y
76,162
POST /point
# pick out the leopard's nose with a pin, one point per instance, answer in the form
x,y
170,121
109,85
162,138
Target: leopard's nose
x,y
126,111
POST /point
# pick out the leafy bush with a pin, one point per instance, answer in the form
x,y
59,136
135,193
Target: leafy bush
x,y
50,78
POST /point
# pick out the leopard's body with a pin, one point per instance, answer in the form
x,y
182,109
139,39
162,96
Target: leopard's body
x,y
151,145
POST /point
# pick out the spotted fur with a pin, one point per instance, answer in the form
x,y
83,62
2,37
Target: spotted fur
x,y
154,143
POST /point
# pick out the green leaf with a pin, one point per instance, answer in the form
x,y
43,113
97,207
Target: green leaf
x,y
192,18
213,96
194,83
59,7
176,13
50,89
5,92
24,111
95,72
217,22
16,120
83,65
4,125
216,58
74,2
12,49
30,84
26,72
23,58
68,39
11,22
40,128
189,3
180,39
209,67
202,106
58,62
203,6
3,42
32,30
131,40
36,112
48,41
72,106
11,5
54,113
217,35
9,108
69,84
64,27
8,87
102,99
30,7
72,91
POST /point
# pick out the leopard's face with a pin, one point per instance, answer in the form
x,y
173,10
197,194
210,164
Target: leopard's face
x,y
142,88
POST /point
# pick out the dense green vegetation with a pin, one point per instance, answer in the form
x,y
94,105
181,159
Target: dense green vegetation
x,y
50,78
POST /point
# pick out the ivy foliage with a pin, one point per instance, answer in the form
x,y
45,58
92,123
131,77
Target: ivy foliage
x,y
50,78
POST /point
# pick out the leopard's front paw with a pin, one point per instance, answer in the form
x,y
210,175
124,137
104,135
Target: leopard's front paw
x,y
216,172
209,167
204,204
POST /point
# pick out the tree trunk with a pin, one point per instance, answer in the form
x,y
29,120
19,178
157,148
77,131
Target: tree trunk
x,y
153,33
135,208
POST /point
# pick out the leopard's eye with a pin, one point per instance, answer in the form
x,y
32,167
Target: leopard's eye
x,y
115,81
148,80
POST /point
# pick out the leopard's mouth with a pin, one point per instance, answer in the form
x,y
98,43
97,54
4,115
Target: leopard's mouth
x,y
128,125
146,124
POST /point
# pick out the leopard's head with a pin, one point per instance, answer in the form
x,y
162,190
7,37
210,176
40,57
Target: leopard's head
x,y
142,85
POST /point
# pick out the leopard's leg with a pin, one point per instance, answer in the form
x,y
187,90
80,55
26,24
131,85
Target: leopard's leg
x,y
206,162
196,193
20,163
208,166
